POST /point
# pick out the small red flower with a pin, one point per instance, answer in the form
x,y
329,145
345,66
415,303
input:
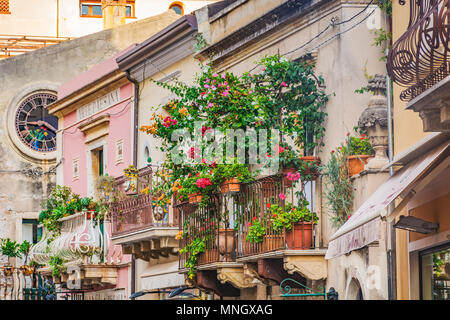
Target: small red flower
x,y
249,224
268,205
254,218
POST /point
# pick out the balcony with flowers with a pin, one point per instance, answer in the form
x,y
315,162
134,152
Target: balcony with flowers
x,y
76,242
244,221
419,61
143,221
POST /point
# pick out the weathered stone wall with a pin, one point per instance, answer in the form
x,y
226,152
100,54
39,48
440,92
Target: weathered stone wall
x,y
21,192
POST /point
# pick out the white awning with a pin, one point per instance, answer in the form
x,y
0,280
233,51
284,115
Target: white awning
x,y
363,226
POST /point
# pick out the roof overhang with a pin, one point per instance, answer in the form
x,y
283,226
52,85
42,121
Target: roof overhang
x,y
167,37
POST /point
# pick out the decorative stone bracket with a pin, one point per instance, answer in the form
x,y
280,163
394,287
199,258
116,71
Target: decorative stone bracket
x,y
152,249
245,277
310,267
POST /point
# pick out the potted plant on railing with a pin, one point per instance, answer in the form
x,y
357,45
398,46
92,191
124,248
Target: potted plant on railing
x,y
10,249
24,250
297,222
359,152
231,176
256,231
227,238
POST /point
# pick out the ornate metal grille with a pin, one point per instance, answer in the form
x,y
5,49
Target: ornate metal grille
x,y
419,58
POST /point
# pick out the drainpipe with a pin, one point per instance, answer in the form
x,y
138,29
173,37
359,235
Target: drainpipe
x,y
135,149
391,253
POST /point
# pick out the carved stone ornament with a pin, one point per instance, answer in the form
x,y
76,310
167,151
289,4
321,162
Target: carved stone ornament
x,y
374,119
238,277
310,267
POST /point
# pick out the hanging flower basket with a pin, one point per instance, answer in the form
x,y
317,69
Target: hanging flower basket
x,y
311,166
356,163
230,185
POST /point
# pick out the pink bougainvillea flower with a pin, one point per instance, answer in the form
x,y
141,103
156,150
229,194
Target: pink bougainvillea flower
x,y
206,86
225,93
210,105
282,196
283,84
280,149
207,80
202,94
267,155
215,75
223,75
203,183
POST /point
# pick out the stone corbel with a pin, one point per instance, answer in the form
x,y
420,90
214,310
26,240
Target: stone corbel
x,y
310,267
237,277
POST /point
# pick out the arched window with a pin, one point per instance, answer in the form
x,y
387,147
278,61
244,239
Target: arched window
x,y
177,7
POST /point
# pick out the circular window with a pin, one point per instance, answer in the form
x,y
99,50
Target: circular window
x,y
177,7
35,127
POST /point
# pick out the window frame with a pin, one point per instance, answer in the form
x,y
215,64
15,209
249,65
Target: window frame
x,y
178,4
91,3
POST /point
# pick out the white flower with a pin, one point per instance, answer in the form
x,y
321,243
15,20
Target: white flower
x,y
273,63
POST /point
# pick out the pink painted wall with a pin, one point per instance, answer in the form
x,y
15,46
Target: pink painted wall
x,y
120,127
73,146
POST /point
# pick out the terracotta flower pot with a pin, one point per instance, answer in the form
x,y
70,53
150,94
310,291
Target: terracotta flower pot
x,y
230,185
310,169
90,214
300,236
227,241
27,270
195,197
355,164
8,271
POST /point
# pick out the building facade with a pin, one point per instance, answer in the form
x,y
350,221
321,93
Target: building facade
x,y
27,26
29,164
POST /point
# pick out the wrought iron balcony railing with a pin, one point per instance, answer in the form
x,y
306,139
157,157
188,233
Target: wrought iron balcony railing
x,y
419,58
133,210
246,206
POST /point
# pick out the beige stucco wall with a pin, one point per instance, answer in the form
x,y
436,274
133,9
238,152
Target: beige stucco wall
x,y
408,128
342,62
39,18
151,97
21,195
